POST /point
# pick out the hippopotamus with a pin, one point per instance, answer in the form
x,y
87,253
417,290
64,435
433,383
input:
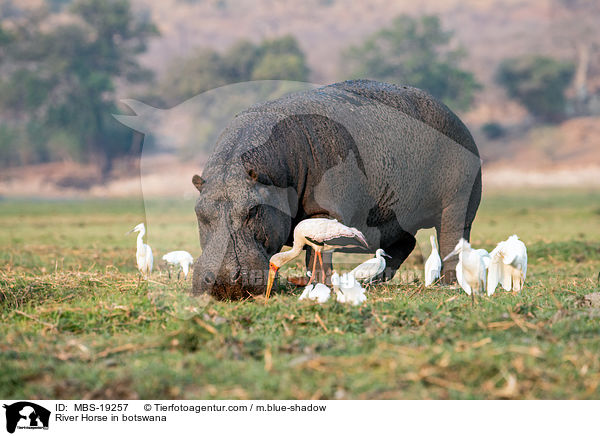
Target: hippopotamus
x,y
386,159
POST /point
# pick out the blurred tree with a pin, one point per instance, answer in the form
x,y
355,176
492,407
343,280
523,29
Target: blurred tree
x,y
63,78
274,66
57,5
239,61
538,83
189,76
278,59
493,130
416,52
574,25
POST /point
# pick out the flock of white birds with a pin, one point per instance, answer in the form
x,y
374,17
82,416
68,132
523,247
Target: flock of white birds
x,y
145,259
477,271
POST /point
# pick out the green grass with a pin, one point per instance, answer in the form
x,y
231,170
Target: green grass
x,y
75,324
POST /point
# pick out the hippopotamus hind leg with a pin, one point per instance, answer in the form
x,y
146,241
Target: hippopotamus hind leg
x,y
456,222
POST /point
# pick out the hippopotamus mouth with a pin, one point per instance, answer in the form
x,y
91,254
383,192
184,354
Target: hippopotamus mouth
x,y
239,284
234,292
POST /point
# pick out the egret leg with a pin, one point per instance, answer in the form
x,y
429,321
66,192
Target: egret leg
x,y
178,275
518,281
314,267
169,270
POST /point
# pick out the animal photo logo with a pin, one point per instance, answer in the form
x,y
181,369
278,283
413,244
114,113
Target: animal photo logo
x,y
25,415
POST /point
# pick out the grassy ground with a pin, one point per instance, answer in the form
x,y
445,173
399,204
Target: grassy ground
x,y
75,324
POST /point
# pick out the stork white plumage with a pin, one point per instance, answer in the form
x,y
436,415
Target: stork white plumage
x,y
508,265
318,292
143,254
321,234
470,270
179,258
370,269
433,265
347,289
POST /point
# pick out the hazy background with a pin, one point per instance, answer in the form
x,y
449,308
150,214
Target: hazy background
x,y
523,75
77,322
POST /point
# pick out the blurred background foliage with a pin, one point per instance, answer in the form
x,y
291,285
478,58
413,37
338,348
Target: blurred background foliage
x,y
271,59
64,65
58,85
416,51
538,83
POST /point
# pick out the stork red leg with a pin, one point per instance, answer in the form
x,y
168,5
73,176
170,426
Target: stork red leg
x,y
323,276
314,267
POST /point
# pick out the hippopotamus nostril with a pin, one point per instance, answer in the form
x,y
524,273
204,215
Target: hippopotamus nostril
x,y
209,278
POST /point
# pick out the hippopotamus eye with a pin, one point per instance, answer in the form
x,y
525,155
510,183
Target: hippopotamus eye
x,y
205,221
202,218
258,177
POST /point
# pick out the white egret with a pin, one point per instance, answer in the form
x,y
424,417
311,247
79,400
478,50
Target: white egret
x,y
181,258
433,266
508,265
459,277
470,270
318,292
370,269
485,256
321,234
143,254
347,289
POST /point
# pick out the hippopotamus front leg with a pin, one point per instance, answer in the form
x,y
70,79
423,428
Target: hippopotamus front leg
x,y
398,251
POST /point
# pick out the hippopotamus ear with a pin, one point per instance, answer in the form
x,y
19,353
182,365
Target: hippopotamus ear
x,y
198,182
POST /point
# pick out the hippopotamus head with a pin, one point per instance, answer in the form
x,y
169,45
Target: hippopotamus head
x,y
243,219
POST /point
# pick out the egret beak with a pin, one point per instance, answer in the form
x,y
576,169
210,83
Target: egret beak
x,y
386,255
454,253
272,273
129,232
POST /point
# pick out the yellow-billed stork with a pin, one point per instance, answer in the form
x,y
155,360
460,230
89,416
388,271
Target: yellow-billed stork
x,y
321,234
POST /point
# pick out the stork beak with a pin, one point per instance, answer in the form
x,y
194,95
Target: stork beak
x,y
272,273
454,253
